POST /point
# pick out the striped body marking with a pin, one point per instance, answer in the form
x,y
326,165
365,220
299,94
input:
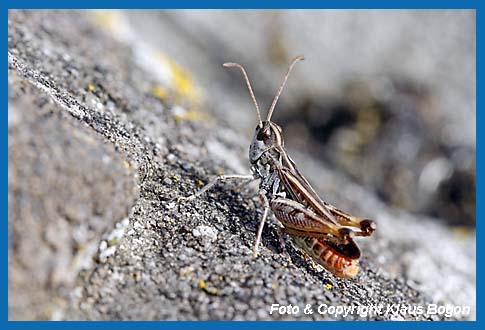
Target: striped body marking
x,y
325,254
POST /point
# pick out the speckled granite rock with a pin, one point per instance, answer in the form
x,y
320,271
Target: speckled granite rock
x,y
98,148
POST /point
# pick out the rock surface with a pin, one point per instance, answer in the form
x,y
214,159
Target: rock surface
x,y
101,140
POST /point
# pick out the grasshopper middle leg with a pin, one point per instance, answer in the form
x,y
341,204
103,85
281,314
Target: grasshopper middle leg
x,y
265,202
211,184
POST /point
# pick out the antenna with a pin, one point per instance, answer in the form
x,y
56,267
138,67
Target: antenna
x,y
229,65
270,112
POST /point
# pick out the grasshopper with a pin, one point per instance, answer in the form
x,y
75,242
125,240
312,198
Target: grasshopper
x,y
321,230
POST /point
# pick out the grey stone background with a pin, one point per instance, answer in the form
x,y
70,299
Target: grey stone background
x,y
113,114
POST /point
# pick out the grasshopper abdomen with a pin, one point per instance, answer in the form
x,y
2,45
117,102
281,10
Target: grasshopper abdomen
x,y
327,255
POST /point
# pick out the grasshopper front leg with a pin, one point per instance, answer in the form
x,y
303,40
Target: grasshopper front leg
x,y
211,184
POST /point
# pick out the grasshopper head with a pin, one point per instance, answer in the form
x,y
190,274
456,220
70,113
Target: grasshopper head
x,y
267,136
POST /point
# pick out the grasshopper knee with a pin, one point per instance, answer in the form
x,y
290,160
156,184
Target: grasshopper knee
x,y
368,226
346,234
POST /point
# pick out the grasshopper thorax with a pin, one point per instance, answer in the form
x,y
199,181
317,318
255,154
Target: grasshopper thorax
x,y
267,136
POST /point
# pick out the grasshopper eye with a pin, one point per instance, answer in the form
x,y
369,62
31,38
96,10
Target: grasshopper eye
x,y
263,134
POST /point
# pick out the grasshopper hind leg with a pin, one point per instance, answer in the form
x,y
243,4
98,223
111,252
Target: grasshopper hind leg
x,y
281,241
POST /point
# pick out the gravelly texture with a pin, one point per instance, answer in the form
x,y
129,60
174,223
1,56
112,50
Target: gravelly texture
x,y
71,82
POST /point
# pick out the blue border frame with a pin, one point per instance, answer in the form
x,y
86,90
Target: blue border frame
x,y
246,4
